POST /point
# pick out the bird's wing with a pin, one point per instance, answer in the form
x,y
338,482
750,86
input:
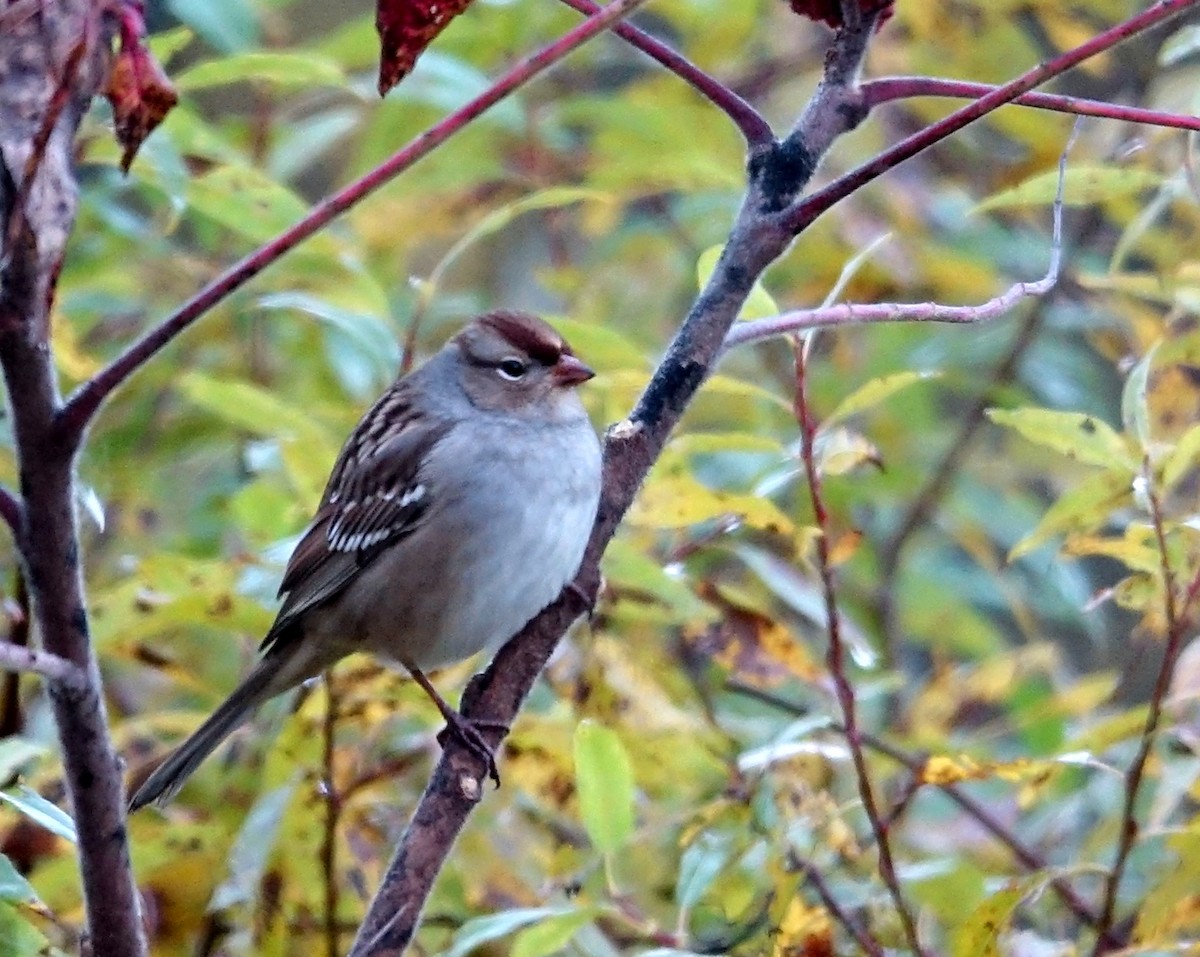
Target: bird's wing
x,y
376,495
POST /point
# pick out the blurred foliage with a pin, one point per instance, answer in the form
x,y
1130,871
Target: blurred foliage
x,y
677,771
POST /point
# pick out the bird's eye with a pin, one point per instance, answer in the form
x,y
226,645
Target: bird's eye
x,y
511,369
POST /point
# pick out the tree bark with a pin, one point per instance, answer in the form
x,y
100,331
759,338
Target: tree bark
x,y
53,59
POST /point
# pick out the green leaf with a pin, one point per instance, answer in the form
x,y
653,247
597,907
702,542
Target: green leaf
x,y
1180,45
166,44
699,866
875,392
839,451
374,341
13,887
481,930
16,753
1177,883
249,203
1082,186
1082,508
604,779
1182,458
1081,437
283,68
18,937
1135,415
550,935
979,935
553,198
758,305
53,818
252,408
627,567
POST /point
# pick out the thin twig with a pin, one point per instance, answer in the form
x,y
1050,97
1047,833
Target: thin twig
x,y
891,88
849,313
805,867
87,399
803,212
836,656
746,118
61,672
1176,627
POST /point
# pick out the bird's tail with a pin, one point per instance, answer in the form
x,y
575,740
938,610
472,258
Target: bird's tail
x,y
274,674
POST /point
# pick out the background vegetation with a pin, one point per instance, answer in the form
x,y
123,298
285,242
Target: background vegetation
x,y
678,779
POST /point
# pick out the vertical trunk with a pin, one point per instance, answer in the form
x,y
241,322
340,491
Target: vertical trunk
x,y
52,59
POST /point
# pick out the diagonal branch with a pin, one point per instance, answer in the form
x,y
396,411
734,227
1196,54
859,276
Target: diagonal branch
x,y
805,211
751,123
83,404
891,88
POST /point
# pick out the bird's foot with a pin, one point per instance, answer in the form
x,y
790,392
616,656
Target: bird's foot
x,y
469,732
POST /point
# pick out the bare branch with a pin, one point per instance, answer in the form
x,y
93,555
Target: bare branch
x,y
746,118
868,944
805,211
847,314
83,404
1177,626
66,674
48,77
836,656
631,447
891,88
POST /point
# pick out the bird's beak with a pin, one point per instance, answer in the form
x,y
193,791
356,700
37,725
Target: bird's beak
x,y
570,371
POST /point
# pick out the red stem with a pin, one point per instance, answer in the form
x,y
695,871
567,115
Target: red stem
x,y
87,399
802,213
1177,625
891,88
746,118
836,657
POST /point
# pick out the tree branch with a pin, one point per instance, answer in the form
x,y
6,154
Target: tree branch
x,y
48,77
848,314
836,657
83,404
892,88
66,674
1177,627
756,130
867,944
630,448
804,212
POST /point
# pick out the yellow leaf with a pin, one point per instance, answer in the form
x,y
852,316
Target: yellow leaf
x,y
839,451
676,501
1084,438
1083,507
1082,186
1136,549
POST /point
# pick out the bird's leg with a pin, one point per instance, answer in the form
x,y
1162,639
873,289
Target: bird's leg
x,y
465,729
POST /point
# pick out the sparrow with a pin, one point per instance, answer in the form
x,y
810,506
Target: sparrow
x,y
458,509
